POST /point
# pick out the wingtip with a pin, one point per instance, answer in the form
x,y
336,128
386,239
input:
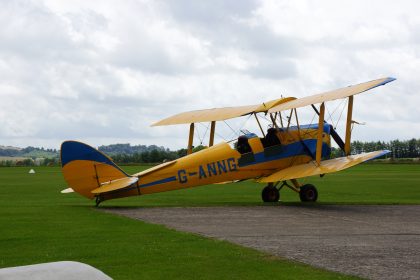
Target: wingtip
x,y
384,82
382,153
389,79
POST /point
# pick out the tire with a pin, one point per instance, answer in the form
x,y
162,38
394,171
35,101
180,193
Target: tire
x,y
308,193
270,194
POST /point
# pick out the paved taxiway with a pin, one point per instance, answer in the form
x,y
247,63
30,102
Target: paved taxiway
x,y
377,242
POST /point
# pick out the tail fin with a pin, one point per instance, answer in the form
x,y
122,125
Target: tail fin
x,y
85,168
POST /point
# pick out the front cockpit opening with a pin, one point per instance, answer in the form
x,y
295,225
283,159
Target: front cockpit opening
x,y
242,146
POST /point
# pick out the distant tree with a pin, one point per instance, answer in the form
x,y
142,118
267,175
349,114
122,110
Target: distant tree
x,y
28,162
198,148
181,152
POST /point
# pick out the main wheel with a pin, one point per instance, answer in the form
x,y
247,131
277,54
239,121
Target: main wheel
x,y
308,193
270,194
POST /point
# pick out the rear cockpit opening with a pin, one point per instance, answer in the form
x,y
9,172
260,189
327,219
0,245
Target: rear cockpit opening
x,y
271,139
247,144
242,146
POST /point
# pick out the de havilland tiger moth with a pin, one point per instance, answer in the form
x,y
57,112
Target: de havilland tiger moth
x,y
282,155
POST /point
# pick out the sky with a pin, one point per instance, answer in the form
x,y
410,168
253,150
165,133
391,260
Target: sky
x,y
102,72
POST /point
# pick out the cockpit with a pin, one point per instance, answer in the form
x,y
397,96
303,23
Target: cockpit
x,y
271,139
250,144
242,145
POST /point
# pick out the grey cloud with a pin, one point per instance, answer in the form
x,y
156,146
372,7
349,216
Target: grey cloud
x,y
209,13
147,56
30,30
274,68
92,73
224,24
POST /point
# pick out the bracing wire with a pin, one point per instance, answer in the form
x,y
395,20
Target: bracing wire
x,y
217,134
237,131
330,115
199,137
341,113
205,132
245,122
233,131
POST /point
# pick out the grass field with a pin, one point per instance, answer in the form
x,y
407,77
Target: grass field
x,y
365,184
38,224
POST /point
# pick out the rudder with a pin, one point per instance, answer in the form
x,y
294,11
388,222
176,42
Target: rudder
x,y
85,168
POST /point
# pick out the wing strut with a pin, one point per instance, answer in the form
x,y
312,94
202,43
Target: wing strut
x,y
190,139
320,134
348,126
333,133
212,129
259,124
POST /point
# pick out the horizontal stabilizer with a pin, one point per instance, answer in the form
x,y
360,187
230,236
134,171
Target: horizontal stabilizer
x,y
326,166
115,185
68,190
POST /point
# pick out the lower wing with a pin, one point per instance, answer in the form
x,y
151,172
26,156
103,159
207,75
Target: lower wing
x,y
326,166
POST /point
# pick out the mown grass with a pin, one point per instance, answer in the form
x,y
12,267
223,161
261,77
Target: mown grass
x,y
38,224
363,184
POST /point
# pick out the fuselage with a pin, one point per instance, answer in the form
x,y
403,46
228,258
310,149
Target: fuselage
x,y
248,157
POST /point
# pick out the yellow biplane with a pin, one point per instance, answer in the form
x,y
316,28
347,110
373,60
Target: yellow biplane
x,y
283,153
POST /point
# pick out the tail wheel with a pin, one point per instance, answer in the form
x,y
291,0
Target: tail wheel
x,y
308,193
270,194
98,200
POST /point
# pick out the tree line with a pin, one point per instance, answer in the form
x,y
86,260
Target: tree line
x,y
126,154
30,162
399,149
127,149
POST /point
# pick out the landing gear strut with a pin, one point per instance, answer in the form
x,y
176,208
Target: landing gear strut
x,y
98,200
270,193
308,193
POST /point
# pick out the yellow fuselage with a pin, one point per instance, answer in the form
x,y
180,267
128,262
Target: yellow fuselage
x,y
223,163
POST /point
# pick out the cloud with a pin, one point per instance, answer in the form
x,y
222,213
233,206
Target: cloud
x,y
102,72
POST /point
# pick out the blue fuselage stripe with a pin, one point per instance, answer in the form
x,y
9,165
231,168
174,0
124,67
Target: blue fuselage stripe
x,y
162,181
291,150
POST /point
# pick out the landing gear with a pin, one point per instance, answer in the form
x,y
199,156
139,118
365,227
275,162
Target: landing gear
x,y
98,200
308,193
270,193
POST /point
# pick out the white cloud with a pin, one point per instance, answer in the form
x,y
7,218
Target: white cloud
x,y
102,72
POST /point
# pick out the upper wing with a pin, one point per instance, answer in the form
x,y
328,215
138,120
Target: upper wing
x,y
330,95
326,166
218,114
